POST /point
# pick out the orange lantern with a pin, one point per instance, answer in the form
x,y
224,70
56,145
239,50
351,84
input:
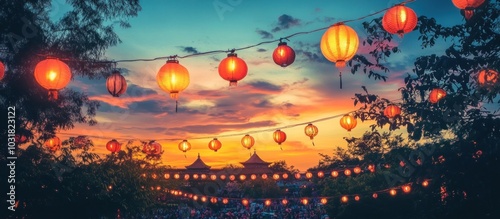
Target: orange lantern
x,y
184,146
283,55
335,174
2,70
348,122
173,78
339,44
425,183
152,148
356,198
232,177
399,20
214,145
436,95
285,175
247,141
213,200
253,176
357,170
304,201
321,174
113,146
177,176
223,177
393,192
392,111
154,176
297,176
195,176
195,197
244,202
324,201
204,199
203,176
116,84
213,177
311,130
186,176
487,77
279,136
264,176
52,75
53,144
233,69
284,202
344,199
309,175
276,176
467,6
166,176
347,172
225,201
243,177
267,202
406,189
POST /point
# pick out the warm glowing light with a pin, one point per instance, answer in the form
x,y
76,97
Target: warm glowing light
x,y
53,144
154,176
321,174
347,172
304,201
214,145
468,6
436,95
279,136
233,69
344,199
195,176
116,84
297,176
184,146
348,122
285,176
2,70
311,131
393,192
203,176
406,189
357,170
284,202
399,20
276,176
213,200
487,77
177,176
356,198
335,174
247,141
113,146
425,183
309,175
253,177
264,176
186,176
244,202
223,177
267,202
173,78
324,201
232,177
392,111
283,55
243,177
225,201
204,199
339,44
375,195
213,177
53,75
166,176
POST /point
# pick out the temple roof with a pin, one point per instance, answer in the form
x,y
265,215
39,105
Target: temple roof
x,y
198,164
255,159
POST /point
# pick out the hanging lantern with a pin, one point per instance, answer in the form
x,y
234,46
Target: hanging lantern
x,y
232,177
116,84
204,199
304,201
267,202
285,175
53,144
339,44
487,77
348,122
243,177
244,202
184,146
335,174
344,199
279,136
152,148
393,192
311,131
406,189
284,202
213,177
2,70
225,201
223,177
324,201
113,146
436,95
283,55
467,6
186,176
356,197
375,195
177,176
195,176
321,174
247,141
425,183
264,176
297,176
357,170
253,177
347,172
309,175
214,145
52,75
399,20
195,197
276,176
233,69
166,176
213,200
392,111
173,78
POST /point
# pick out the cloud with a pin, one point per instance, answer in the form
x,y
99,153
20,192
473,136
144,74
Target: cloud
x,y
218,128
261,50
286,21
265,86
264,34
189,49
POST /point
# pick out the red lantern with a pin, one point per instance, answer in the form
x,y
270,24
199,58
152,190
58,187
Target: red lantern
x,y
113,146
2,70
348,122
487,77
279,136
247,141
436,95
335,174
152,148
311,130
214,145
173,78
116,84
283,55
357,170
53,144
339,44
406,189
468,6
399,20
284,202
213,200
264,176
52,75
356,198
184,146
392,111
225,201
233,69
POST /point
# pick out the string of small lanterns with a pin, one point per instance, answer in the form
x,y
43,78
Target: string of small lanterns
x,y
343,199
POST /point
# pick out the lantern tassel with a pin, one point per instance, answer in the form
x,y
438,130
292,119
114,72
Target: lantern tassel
x,y
340,80
281,147
313,143
175,106
185,155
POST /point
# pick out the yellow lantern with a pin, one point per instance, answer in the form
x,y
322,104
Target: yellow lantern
x,y
348,122
247,141
173,78
311,131
184,146
53,75
276,176
243,177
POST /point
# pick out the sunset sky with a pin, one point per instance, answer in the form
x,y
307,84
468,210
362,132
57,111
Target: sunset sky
x,y
269,97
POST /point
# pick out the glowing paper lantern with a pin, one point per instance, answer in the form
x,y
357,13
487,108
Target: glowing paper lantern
x,y
279,136
116,84
276,176
243,177
324,201
406,189
223,177
356,198
285,175
232,69
213,177
297,176
267,202
284,202
213,200
425,183
311,130
321,174
52,75
244,202
53,144
487,77
264,176
348,122
468,6
375,195
166,176
357,170
393,192
339,44
113,146
232,177
283,55
309,175
247,141
304,201
203,176
204,199
2,70
253,176
214,144
344,199
184,146
186,176
436,95
347,172
335,174
392,111
225,201
195,176
173,78
399,20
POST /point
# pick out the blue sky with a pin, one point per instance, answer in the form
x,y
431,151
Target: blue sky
x,y
269,96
